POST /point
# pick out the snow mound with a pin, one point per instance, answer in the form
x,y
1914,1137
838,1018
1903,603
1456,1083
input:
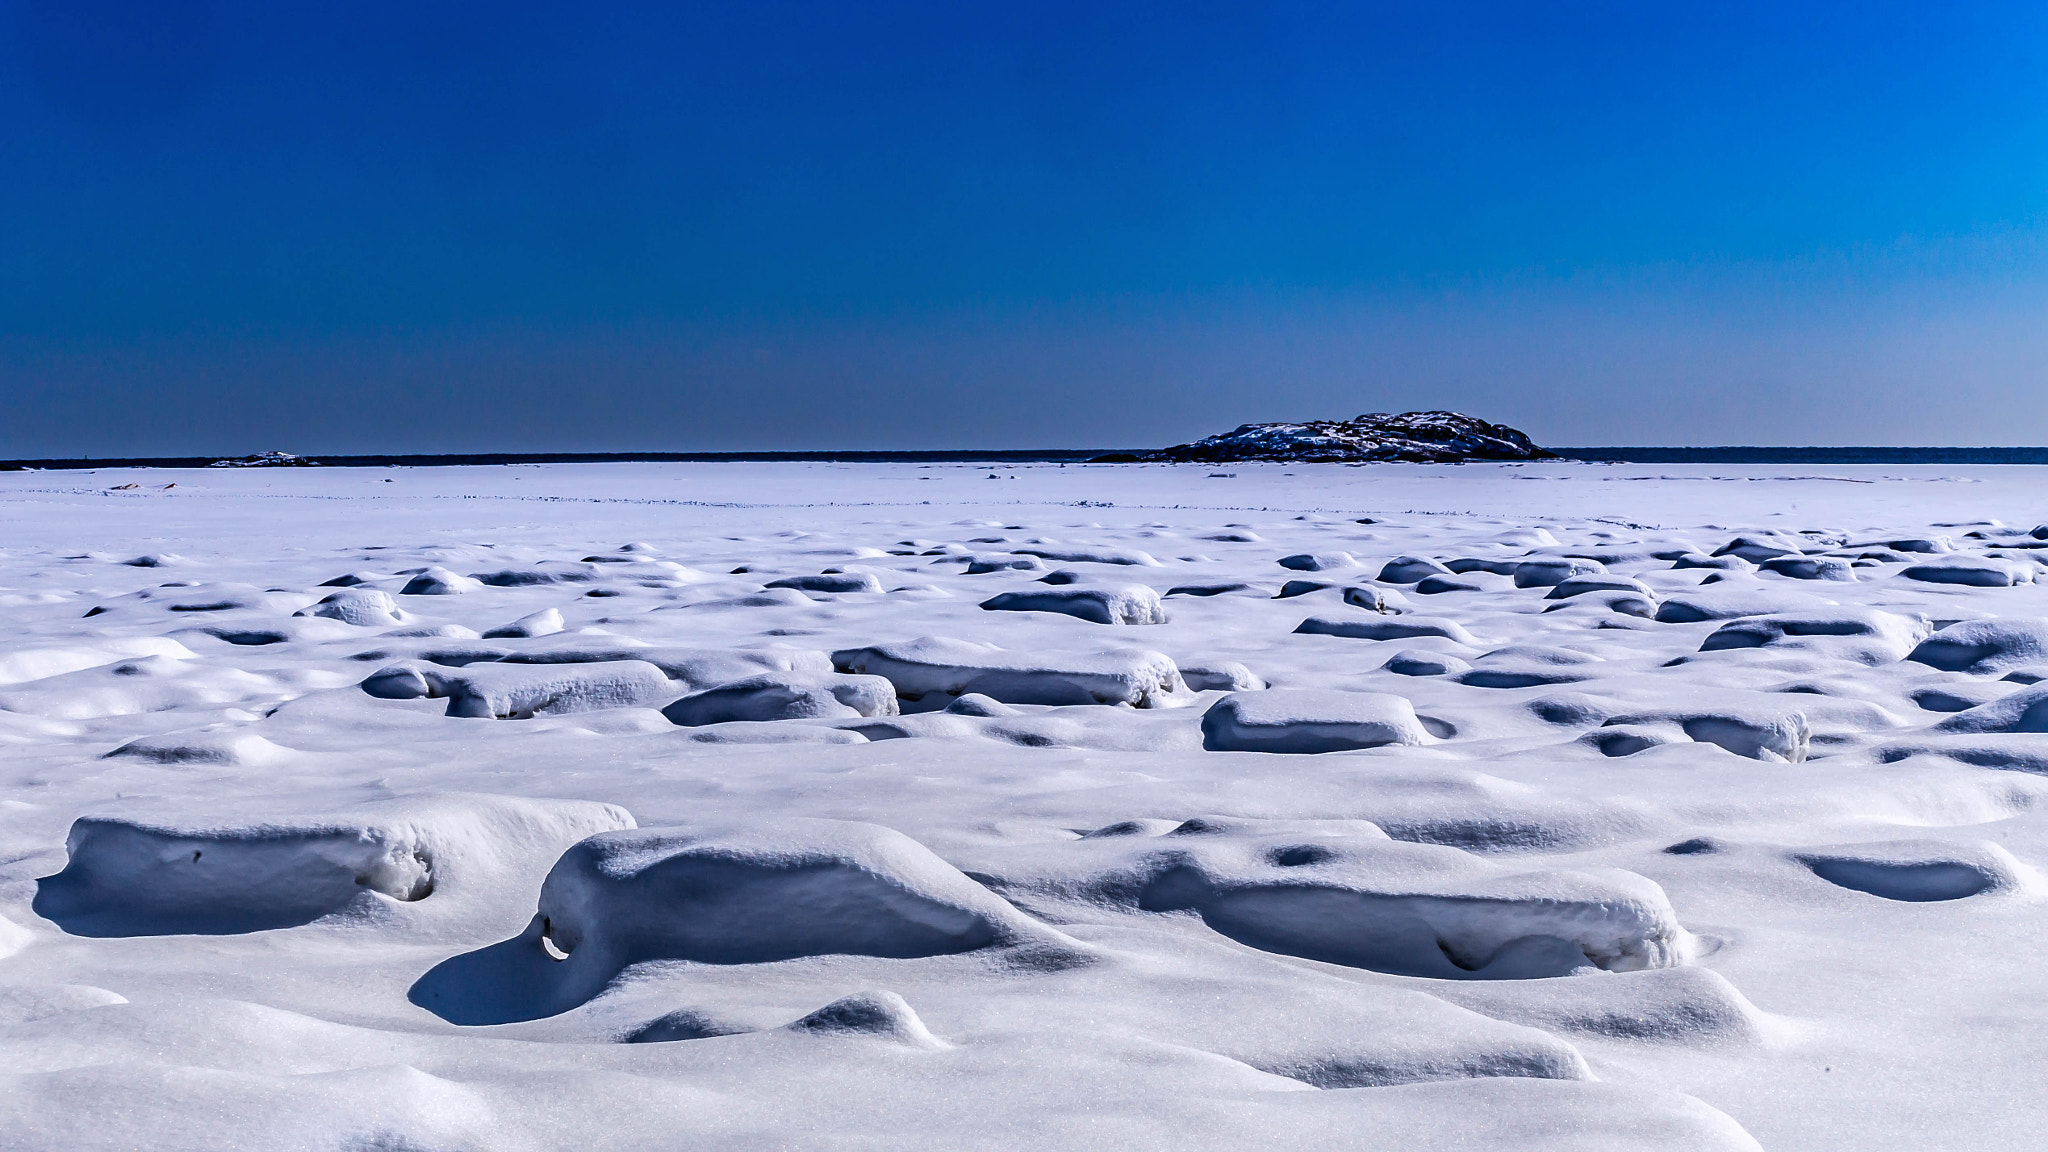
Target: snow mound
x,y
1757,732
25,664
938,665
782,696
1364,596
1365,901
1118,604
1757,549
1749,599
545,622
1463,564
363,607
523,691
1528,666
1318,561
145,685
128,876
770,732
681,1024
1409,569
1551,572
1581,585
1982,647
1417,662
1810,568
1972,571
1411,437
766,892
1221,676
1688,1006
1309,720
980,564
830,582
20,1005
975,704
438,581
2023,711
1405,628
233,747
1209,588
880,1014
540,575
694,667
1722,563
1916,870
1129,557
1865,635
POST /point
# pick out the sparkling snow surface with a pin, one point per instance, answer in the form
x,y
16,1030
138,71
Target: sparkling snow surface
x,y
530,807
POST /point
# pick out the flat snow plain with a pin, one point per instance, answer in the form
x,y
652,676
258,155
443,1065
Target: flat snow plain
x,y
659,806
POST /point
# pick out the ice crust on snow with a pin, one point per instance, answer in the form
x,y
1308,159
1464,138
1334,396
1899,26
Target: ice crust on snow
x,y
1579,838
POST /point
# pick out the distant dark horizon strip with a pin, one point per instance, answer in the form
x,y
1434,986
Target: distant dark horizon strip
x,y
1847,454
1725,454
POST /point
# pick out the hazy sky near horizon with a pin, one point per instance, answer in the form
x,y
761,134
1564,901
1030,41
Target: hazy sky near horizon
x,y
432,226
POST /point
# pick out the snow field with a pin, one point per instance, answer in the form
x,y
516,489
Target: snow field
x,y
492,808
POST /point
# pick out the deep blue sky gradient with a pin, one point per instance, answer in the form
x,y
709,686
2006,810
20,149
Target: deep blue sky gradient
x,y
442,226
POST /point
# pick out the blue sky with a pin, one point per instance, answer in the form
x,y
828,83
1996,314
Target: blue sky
x,y
465,227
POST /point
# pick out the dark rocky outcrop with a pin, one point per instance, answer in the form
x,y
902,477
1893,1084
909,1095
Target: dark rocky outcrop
x,y
1411,437
266,460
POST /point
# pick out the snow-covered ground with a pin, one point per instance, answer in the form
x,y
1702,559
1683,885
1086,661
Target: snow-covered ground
x,y
695,806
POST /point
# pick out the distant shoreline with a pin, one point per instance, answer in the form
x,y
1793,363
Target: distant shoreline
x,y
1732,454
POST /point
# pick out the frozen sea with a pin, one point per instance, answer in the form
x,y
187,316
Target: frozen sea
x,y
955,806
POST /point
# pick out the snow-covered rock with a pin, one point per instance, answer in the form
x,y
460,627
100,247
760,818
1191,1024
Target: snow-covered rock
x,y
1411,437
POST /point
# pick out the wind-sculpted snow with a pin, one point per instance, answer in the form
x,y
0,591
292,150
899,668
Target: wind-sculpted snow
x,y
1117,604
780,890
1917,870
1309,721
23,665
1406,628
370,608
1864,635
780,696
1533,805
521,691
1352,896
1985,647
127,876
1974,571
938,666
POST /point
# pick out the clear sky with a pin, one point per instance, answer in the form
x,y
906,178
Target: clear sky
x,y
429,226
